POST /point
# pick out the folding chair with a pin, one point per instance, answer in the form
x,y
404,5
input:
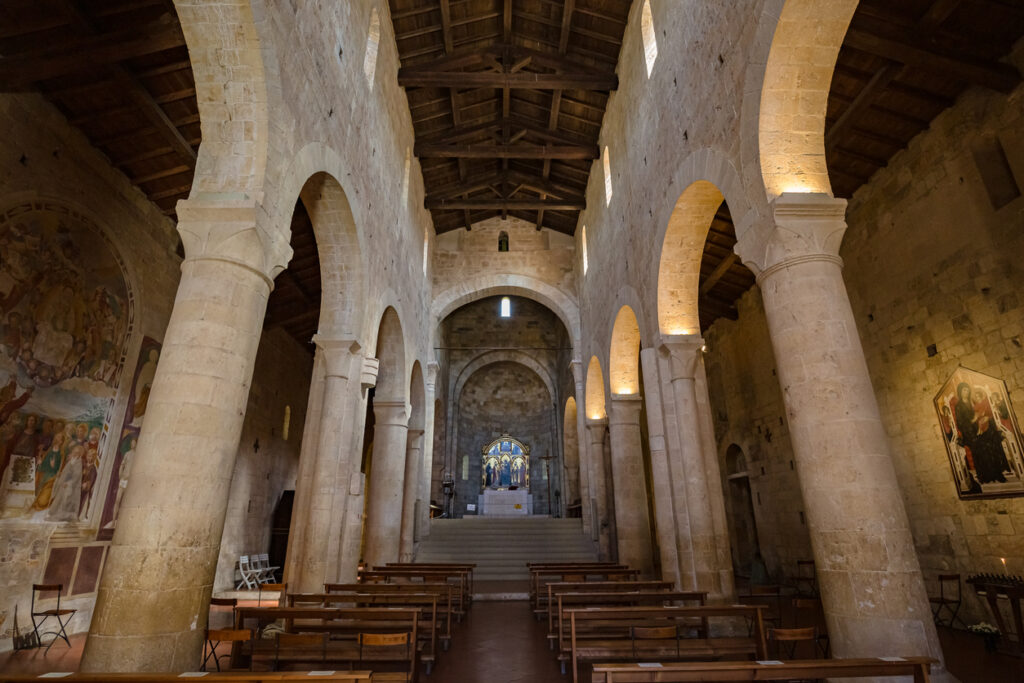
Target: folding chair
x,y
947,602
805,582
222,602
308,641
807,611
250,575
770,596
63,616
216,636
268,573
789,638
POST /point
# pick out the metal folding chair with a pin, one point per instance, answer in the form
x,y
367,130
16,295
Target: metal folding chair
x,y
250,575
216,636
39,616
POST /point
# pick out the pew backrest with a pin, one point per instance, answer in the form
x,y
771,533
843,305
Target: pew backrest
x,y
918,667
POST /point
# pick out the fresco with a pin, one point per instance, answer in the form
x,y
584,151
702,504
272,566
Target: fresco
x,y
134,414
64,321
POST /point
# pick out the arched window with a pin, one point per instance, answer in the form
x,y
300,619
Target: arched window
x,y
372,43
506,307
503,241
405,175
607,177
426,249
647,33
286,427
583,244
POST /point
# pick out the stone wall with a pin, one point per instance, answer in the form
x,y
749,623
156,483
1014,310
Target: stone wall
x,y
263,472
47,163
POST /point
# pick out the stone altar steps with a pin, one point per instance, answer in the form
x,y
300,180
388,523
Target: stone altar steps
x,y
501,546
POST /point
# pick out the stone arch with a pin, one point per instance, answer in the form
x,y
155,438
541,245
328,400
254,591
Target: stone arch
x,y
492,357
391,383
624,356
227,56
570,452
595,406
562,304
337,243
681,252
805,43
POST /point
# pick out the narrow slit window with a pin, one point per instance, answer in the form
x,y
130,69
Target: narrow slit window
x,y
426,250
506,307
648,35
607,177
287,422
503,241
372,44
583,244
405,176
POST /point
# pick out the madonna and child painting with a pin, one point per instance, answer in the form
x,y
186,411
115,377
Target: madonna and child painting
x,y
981,435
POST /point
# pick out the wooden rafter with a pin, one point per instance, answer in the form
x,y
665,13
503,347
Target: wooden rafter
x,y
506,151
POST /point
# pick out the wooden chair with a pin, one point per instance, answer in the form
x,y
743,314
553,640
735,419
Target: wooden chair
x,y
250,575
216,636
787,640
946,601
306,642
380,642
771,596
39,616
270,588
648,633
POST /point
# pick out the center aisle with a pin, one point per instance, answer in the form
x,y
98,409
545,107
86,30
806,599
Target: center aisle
x,y
498,642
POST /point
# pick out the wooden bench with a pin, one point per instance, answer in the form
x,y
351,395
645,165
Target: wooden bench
x,y
591,587
211,677
342,626
631,634
807,669
406,575
430,620
540,577
558,626
467,567
449,592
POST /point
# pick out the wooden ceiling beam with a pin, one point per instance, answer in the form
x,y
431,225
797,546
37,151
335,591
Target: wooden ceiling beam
x,y
717,274
162,173
22,70
507,151
517,81
994,75
861,103
446,26
504,204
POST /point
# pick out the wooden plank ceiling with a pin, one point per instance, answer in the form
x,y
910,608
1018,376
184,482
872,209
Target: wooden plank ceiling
x,y
507,99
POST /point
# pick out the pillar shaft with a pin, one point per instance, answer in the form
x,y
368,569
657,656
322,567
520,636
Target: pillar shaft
x,y
599,483
632,526
316,555
387,482
426,473
413,472
872,590
583,458
710,568
664,503
153,598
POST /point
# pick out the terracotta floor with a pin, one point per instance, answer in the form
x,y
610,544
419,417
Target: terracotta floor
x,y
499,642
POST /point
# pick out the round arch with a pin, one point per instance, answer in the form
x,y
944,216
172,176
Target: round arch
x,y
417,398
805,44
562,304
391,382
681,253
624,355
595,406
499,356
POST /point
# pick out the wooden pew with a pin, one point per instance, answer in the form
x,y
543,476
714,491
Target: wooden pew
x,y
591,587
449,599
558,626
574,569
343,626
540,577
806,669
426,603
605,634
417,576
211,677
469,567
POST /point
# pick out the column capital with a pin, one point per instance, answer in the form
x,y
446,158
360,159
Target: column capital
x,y
576,367
596,428
431,379
337,354
390,413
803,227
368,373
230,231
416,433
684,352
625,409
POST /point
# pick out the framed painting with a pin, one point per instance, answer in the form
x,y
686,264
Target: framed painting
x,y
981,434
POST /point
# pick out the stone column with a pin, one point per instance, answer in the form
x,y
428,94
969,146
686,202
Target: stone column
x,y
413,465
632,527
387,482
709,572
153,598
316,548
871,585
586,490
664,505
599,482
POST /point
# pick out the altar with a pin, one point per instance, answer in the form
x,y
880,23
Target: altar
x,y
504,503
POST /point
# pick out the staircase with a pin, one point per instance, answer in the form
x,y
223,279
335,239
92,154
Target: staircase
x,y
501,546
